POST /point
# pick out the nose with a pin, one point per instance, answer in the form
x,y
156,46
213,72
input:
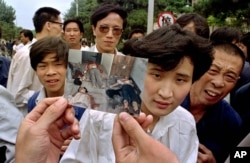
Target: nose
x,y
165,91
50,71
71,32
110,33
218,81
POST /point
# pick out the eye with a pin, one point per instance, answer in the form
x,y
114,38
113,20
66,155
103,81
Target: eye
x,y
213,71
104,29
41,66
230,78
156,75
59,63
117,31
180,80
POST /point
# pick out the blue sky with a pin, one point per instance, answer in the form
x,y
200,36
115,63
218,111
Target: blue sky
x,y
25,9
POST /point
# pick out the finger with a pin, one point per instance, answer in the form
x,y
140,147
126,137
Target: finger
x,y
119,138
52,113
144,120
71,131
132,128
40,108
202,148
68,118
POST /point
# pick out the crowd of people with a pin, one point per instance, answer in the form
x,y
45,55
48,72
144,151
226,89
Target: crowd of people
x,y
185,115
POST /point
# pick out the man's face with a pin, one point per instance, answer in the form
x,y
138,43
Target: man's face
x,y
52,74
72,33
219,80
55,27
165,90
108,32
24,39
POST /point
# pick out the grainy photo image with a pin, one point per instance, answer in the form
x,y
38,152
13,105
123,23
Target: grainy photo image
x,y
105,82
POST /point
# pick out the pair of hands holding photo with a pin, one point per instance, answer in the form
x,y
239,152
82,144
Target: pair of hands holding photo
x,y
44,130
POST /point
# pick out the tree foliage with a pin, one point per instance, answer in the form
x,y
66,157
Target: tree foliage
x,y
137,12
217,12
7,17
229,12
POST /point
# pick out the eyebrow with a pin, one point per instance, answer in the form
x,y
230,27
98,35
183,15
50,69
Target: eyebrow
x,y
227,71
178,73
183,75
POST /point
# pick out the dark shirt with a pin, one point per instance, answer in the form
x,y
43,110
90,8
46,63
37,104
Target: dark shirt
x,y
244,79
4,70
218,129
242,106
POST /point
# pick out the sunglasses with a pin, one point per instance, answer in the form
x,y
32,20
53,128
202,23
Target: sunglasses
x,y
105,29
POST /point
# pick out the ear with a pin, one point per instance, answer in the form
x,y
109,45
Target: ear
x,y
93,29
48,25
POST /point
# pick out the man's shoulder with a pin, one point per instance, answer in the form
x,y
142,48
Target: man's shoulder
x,y
23,52
226,111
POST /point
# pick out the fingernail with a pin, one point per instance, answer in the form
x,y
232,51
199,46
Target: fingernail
x,y
60,102
123,116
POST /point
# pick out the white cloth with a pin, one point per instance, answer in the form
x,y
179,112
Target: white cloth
x,y
94,49
22,79
86,48
10,119
176,130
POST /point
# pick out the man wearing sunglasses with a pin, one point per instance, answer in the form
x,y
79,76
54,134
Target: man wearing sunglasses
x,y
108,23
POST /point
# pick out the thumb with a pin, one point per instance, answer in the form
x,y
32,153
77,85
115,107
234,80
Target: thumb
x,y
52,113
132,128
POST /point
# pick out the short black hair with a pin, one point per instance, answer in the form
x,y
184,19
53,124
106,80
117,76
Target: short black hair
x,y
245,39
74,20
226,34
27,33
50,44
230,49
44,14
106,9
168,45
201,25
136,30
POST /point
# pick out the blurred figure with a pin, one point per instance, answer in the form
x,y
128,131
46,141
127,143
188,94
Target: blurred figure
x,y
17,45
85,45
10,118
26,36
4,70
245,74
226,34
73,32
136,33
195,23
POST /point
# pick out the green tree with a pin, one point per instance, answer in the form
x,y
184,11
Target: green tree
x,y
7,17
233,13
85,9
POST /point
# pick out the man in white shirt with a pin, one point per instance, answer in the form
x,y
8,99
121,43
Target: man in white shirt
x,y
22,80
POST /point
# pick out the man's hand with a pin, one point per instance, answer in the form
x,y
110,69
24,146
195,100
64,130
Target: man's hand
x,y
133,145
44,130
205,155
